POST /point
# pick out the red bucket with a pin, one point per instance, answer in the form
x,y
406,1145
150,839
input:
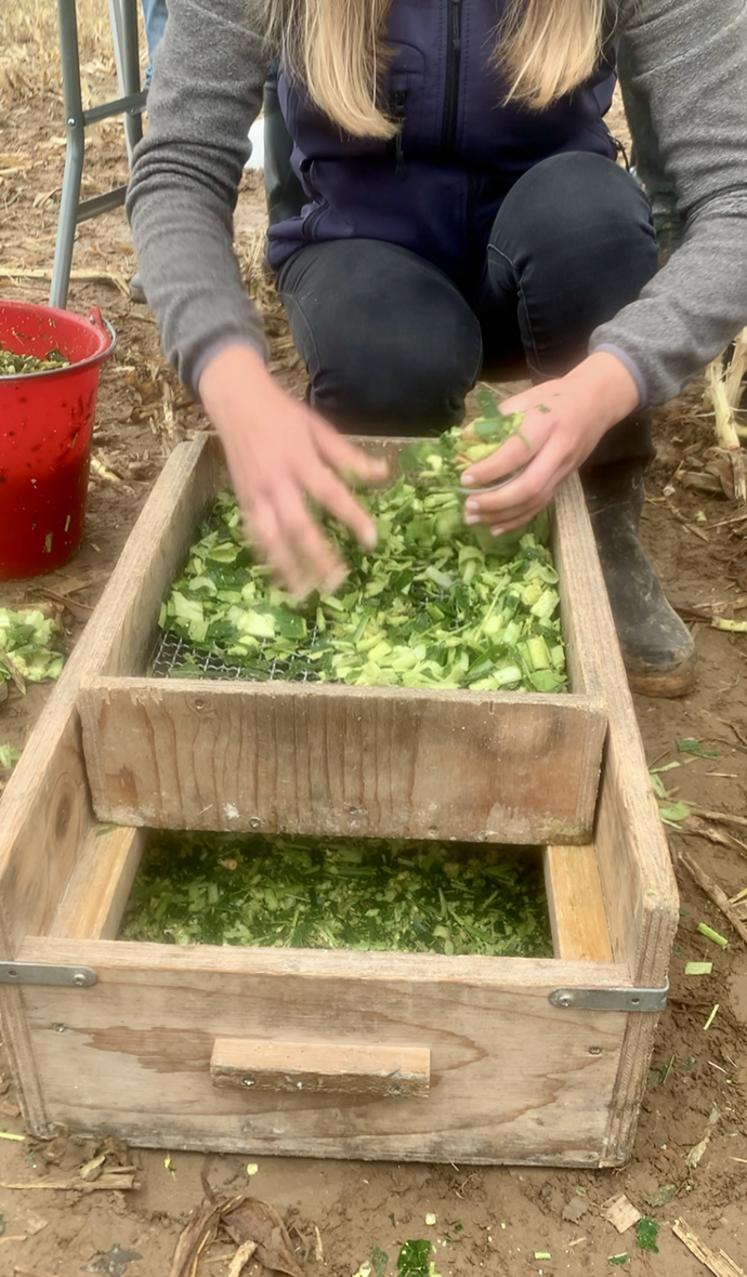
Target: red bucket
x,y
46,424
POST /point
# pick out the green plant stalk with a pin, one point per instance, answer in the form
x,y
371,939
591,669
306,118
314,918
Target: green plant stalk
x,y
715,936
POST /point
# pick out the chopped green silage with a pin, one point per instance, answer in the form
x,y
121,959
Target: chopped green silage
x,y
437,605
30,645
303,893
15,365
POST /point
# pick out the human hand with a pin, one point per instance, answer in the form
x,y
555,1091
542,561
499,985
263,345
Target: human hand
x,y
281,454
563,422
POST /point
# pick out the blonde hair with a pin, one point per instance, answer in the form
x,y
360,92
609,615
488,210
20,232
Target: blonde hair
x,y
544,48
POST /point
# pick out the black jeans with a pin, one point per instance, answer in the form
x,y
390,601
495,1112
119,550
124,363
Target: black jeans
x,y
392,346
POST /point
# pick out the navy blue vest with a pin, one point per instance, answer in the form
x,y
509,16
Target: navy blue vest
x,y
437,187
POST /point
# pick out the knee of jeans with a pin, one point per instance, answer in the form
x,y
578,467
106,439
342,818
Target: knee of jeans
x,y
393,385
580,200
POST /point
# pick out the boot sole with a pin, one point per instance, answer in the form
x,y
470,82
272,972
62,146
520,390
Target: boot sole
x,y
669,684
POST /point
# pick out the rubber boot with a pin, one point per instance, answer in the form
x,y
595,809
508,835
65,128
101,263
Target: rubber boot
x,y
137,292
657,647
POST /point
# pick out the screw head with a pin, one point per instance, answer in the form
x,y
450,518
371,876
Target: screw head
x,y
79,979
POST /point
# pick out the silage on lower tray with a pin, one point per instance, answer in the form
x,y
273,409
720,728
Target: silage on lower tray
x,y
437,605
303,893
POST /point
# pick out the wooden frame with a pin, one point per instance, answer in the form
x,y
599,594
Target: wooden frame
x,y
333,760
487,1069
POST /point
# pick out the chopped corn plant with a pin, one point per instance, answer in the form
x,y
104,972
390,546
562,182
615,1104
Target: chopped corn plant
x,y
30,646
345,894
437,605
15,365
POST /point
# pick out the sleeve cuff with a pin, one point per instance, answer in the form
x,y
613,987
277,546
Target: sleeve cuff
x,y
610,349
214,348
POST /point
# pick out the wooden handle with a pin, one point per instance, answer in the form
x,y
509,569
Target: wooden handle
x,y
383,1071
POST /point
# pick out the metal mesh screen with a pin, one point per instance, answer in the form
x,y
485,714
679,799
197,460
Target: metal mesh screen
x,y
176,657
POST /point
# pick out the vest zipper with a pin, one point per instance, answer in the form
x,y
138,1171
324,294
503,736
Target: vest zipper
x,y
453,61
398,113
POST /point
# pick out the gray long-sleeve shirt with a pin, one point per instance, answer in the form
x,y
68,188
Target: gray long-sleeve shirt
x,y
683,67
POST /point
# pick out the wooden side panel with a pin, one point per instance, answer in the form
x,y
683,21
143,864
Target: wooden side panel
x,y
637,879
638,883
331,760
574,896
512,1078
99,886
45,811
583,622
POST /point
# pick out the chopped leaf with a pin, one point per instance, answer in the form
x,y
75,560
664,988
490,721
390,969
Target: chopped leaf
x,y
31,643
430,1219
698,968
542,1254
9,756
618,1260
438,605
673,813
252,1169
646,1232
689,745
414,1260
380,1261
715,936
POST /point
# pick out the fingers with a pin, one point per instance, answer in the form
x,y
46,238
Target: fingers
x,y
338,501
508,457
530,492
263,531
345,457
533,434
324,570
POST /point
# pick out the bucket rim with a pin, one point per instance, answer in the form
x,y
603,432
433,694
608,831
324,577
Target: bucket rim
x,y
94,318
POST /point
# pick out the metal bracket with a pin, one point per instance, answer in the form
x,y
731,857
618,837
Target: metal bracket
x,y
642,1000
44,973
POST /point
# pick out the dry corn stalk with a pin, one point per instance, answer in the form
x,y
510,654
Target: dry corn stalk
x,y
723,390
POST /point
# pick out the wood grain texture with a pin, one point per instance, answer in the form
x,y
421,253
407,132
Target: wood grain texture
x,y
343,1068
637,878
45,813
331,760
578,919
512,1078
99,887
638,883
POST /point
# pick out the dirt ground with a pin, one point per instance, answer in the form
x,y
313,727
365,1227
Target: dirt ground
x,y
491,1220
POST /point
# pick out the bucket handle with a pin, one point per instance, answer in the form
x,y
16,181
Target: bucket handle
x,y
96,320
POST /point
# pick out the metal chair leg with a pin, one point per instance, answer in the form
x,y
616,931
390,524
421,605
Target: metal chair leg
x,y
74,124
124,24
133,120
